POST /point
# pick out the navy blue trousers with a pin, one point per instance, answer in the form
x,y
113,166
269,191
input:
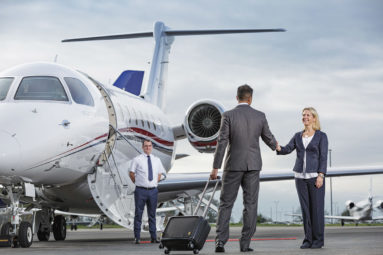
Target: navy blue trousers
x,y
146,197
312,205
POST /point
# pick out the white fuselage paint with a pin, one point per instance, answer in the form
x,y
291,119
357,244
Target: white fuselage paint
x,y
36,147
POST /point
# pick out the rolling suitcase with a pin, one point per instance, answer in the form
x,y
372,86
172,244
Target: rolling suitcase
x,y
188,233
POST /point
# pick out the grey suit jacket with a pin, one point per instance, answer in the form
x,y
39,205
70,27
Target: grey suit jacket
x,y
240,130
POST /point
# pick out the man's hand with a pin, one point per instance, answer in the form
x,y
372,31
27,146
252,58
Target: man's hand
x,y
319,182
213,174
278,147
132,176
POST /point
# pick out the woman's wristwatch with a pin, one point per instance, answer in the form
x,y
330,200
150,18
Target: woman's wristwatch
x,y
321,175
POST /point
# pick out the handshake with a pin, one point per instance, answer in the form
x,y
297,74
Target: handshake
x,y
278,147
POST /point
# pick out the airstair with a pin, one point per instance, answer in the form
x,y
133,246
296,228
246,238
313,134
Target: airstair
x,y
110,185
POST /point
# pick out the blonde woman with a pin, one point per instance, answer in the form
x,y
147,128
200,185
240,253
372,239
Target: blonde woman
x,y
310,168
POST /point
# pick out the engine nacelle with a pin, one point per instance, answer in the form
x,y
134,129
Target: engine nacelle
x,y
350,204
202,123
379,204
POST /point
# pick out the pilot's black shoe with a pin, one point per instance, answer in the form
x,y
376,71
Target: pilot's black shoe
x,y
155,240
219,246
316,246
136,240
247,249
305,245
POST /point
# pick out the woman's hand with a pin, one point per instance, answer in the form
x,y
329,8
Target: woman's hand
x,y
278,147
319,182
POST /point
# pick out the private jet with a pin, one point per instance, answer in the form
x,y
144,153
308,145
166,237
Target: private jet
x,y
67,140
361,211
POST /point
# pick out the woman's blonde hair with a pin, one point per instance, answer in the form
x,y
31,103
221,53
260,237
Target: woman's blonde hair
x,y
316,125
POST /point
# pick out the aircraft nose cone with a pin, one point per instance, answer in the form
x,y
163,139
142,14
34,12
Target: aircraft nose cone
x,y
10,152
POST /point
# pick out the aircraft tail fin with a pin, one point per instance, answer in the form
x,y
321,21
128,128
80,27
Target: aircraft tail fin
x,y
130,81
164,37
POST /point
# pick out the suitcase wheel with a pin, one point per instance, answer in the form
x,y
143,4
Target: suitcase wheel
x,y
191,246
166,251
195,251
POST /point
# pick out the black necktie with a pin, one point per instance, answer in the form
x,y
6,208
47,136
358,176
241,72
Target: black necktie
x,y
150,175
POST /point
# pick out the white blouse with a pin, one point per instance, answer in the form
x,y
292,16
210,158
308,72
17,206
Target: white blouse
x,y
306,140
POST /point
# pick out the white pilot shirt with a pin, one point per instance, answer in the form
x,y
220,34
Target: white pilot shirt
x,y
139,166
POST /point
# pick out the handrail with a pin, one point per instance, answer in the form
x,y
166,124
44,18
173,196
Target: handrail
x,y
118,132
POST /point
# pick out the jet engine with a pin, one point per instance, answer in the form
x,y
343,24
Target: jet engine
x,y
350,204
202,123
379,204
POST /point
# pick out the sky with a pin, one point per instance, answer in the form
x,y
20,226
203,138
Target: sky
x,y
331,58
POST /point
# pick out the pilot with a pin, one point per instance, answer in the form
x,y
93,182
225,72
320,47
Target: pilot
x,y
146,170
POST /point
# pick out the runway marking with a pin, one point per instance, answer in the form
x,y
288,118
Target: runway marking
x,y
253,239
259,239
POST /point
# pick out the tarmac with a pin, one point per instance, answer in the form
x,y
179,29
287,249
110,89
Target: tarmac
x,y
268,240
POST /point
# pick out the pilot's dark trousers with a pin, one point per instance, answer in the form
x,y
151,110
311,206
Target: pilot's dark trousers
x,y
312,204
148,197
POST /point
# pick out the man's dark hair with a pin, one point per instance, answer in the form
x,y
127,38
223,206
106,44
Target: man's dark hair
x,y
244,92
146,140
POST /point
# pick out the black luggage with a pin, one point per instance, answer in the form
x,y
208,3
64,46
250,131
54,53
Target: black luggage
x,y
188,233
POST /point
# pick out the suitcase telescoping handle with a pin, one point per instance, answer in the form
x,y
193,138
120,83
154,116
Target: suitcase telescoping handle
x,y
203,195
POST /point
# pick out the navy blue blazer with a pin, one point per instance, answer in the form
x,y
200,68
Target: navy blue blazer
x,y
316,152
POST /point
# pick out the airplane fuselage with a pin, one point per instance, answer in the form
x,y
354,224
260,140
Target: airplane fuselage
x,y
57,140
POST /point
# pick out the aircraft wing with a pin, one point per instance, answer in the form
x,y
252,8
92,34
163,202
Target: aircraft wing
x,y
177,184
377,218
278,175
58,212
341,217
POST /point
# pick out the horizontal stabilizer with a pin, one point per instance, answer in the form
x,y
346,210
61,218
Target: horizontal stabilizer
x,y
130,81
175,33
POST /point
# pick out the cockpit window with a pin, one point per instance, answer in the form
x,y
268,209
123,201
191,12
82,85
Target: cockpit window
x,y
41,88
79,91
5,84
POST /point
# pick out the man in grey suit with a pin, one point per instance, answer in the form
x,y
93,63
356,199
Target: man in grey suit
x,y
241,128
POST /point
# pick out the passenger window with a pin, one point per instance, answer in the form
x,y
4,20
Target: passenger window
x,y
130,116
41,88
135,116
5,84
79,91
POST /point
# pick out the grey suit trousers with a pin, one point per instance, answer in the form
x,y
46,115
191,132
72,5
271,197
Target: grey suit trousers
x,y
231,180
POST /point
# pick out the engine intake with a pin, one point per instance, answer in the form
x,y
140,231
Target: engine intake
x,y
350,204
202,123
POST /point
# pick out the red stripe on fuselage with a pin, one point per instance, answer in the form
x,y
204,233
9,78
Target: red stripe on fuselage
x,y
148,134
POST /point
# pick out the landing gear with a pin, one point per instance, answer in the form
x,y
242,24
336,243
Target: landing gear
x,y
6,229
43,235
20,232
43,220
59,228
342,223
25,237
73,226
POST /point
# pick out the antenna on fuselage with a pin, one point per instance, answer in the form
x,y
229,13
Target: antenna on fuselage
x,y
164,37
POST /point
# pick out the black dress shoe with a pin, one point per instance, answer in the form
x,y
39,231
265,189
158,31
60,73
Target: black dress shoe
x,y
154,240
305,245
137,241
247,250
219,246
316,246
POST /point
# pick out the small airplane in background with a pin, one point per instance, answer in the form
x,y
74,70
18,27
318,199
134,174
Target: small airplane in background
x,y
361,211
67,140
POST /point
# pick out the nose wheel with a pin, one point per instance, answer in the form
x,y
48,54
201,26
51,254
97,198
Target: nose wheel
x,y
20,232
